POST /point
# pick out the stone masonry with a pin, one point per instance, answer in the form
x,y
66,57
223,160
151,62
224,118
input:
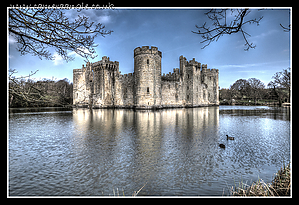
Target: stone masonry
x,y
101,84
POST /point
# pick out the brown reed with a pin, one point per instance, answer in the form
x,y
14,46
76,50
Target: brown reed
x,y
280,185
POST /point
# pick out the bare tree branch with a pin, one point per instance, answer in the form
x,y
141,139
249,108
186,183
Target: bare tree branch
x,y
38,29
281,84
222,26
24,91
286,29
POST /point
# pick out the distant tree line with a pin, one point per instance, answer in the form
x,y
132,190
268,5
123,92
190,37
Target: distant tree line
x,y
254,91
25,92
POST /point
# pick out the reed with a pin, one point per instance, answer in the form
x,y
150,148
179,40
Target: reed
x,y
116,193
280,185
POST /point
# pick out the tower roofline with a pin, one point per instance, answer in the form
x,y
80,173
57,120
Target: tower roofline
x,y
146,50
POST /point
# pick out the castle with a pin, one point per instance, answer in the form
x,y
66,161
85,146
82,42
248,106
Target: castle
x,y
101,84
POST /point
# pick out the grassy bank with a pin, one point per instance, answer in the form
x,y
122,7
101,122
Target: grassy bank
x,y
280,186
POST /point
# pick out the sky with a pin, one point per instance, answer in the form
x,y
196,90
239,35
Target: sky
x,y
170,31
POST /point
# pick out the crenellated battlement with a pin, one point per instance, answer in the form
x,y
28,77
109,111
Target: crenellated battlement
x,y
126,76
146,50
105,63
193,62
172,76
213,70
204,67
190,85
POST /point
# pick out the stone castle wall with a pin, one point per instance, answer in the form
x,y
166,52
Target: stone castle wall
x,y
127,83
101,84
147,74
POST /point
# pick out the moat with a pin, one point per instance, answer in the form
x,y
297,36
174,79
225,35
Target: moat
x,y
83,152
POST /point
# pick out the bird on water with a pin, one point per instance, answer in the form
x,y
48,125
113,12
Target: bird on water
x,y
229,138
222,146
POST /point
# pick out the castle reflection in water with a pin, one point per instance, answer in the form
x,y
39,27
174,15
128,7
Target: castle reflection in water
x,y
148,123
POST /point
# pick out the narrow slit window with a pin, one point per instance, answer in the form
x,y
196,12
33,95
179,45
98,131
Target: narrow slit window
x,y
147,89
147,61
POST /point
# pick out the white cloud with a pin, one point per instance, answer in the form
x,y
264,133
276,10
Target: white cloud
x,y
104,19
58,60
255,39
98,16
80,49
249,65
73,53
11,39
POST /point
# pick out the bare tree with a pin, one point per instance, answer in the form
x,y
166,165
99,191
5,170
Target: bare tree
x,y
24,91
20,89
222,26
227,22
38,29
281,85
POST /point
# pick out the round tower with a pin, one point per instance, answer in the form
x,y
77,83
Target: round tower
x,y
147,73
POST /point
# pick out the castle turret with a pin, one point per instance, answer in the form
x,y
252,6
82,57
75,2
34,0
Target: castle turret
x,y
147,72
101,84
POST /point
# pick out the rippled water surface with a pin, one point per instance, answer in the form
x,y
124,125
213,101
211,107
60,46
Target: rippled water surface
x,y
173,152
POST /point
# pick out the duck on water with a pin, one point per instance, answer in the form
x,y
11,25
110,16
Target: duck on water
x,y
229,138
222,146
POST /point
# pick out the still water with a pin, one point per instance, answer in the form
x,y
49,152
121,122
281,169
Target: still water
x,y
173,152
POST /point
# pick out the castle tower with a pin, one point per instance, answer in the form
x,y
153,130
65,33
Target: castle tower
x,y
147,73
105,81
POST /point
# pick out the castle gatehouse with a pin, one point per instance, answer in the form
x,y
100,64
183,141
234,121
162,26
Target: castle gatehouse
x,y
101,84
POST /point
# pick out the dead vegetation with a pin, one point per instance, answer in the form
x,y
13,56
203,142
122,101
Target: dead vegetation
x,y
280,186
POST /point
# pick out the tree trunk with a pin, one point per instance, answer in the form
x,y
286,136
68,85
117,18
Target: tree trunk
x,y
280,101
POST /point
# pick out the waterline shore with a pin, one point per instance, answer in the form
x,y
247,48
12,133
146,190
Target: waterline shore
x,y
280,186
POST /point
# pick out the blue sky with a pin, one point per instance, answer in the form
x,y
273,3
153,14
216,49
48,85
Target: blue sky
x,y
170,31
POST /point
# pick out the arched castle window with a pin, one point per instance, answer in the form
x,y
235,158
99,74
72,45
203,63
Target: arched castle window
x,y
147,89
